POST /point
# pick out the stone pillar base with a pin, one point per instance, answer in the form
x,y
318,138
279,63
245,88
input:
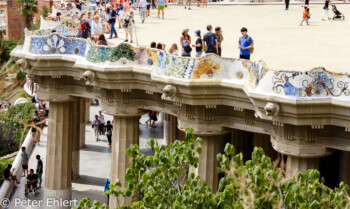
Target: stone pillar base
x,y
295,164
166,129
75,164
59,199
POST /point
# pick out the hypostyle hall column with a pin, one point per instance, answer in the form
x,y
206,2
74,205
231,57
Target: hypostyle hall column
x,y
173,128
295,164
75,135
207,168
82,121
87,111
345,167
166,131
59,153
125,133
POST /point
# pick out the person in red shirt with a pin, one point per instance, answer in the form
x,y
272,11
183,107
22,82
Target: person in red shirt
x,y
305,16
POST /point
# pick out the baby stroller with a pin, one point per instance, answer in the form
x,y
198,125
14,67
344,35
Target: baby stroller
x,y
337,15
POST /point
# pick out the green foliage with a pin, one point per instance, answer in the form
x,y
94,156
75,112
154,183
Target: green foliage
x,y
3,165
6,46
164,180
14,126
21,76
28,9
23,94
45,11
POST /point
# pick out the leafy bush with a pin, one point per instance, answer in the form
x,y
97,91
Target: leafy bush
x,y
14,126
45,11
21,76
163,181
6,46
3,165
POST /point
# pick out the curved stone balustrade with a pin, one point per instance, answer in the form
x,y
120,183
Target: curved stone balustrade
x,y
316,84
68,21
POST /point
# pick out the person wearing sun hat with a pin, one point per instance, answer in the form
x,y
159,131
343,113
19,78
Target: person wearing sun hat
x,y
185,42
199,44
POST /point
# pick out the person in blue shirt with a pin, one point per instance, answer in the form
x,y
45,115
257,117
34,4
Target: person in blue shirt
x,y
245,43
107,183
113,15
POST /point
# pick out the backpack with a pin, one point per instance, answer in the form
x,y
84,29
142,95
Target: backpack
x,y
87,30
126,23
251,49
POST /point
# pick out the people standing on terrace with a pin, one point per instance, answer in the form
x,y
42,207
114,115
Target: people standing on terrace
x,y
113,17
219,38
210,41
185,42
245,44
199,44
161,8
141,4
129,26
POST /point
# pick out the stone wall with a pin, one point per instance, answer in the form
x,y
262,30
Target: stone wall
x,y
13,19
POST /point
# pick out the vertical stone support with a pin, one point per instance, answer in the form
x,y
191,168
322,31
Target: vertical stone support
x,y
58,166
345,167
295,164
166,131
75,135
173,128
243,143
263,141
82,121
207,168
87,111
125,133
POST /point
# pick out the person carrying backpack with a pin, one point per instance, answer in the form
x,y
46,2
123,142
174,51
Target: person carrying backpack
x,y
210,40
245,44
85,28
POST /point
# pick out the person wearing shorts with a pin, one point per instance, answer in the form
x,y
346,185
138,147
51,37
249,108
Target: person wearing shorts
x,y
199,44
161,8
24,159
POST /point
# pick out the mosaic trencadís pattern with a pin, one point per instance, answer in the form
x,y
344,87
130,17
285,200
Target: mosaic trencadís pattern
x,y
57,44
99,54
315,83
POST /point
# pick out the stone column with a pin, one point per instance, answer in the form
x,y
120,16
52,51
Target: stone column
x,y
58,166
345,167
263,141
75,135
173,134
87,111
207,168
82,122
125,133
295,164
166,129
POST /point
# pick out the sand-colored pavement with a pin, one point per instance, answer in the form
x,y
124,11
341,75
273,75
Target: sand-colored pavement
x,y
279,40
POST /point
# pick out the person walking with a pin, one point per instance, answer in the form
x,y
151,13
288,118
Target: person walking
x,y
24,159
305,16
39,169
287,4
101,118
161,8
245,43
113,16
210,40
95,126
327,3
205,2
107,183
109,130
185,42
199,44
189,4
141,4
219,38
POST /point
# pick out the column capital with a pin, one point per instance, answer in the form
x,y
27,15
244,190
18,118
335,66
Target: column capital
x,y
121,111
54,96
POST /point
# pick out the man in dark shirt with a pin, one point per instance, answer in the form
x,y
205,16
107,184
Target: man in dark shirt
x,y
32,180
39,169
8,175
210,40
113,15
78,4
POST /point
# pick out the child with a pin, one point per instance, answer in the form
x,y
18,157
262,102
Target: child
x,y
305,15
174,50
121,16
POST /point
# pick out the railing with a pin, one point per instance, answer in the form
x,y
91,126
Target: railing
x,y
316,84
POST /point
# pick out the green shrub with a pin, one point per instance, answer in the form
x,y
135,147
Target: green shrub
x,y
3,165
6,46
45,11
21,76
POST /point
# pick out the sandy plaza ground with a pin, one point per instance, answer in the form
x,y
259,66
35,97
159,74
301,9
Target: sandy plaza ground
x,y
279,39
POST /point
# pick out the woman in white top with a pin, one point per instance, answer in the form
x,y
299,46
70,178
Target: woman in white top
x,y
96,28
